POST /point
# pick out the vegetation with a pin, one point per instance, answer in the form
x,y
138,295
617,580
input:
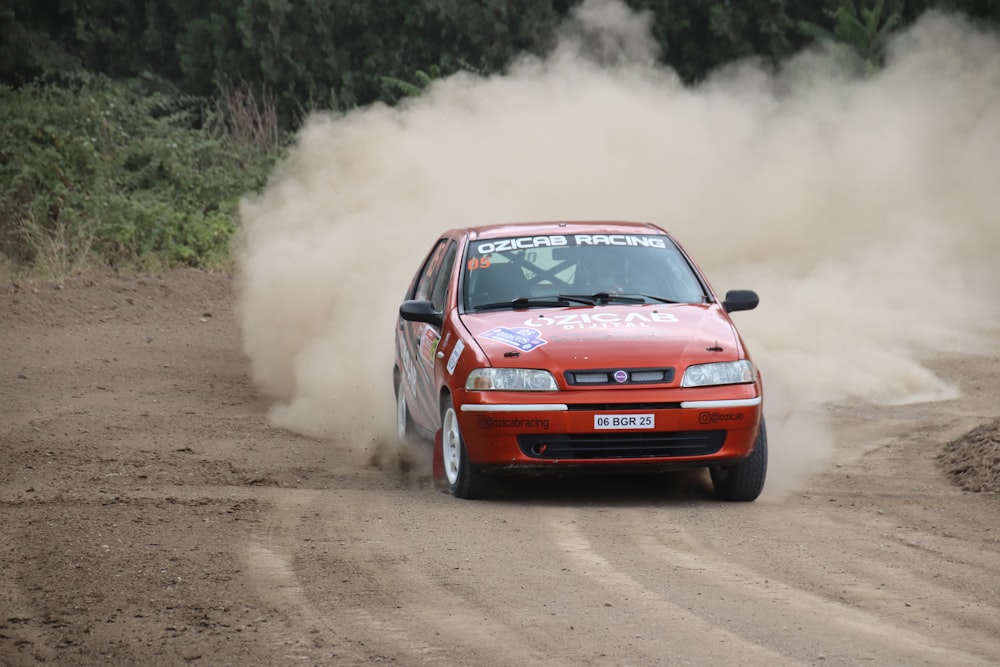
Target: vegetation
x,y
92,167
130,130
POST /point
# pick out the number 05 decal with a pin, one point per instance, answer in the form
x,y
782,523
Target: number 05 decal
x,y
479,263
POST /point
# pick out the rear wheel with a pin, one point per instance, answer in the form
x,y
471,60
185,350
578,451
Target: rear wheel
x,y
743,481
465,480
404,424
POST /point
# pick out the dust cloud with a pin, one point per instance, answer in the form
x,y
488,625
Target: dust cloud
x,y
865,210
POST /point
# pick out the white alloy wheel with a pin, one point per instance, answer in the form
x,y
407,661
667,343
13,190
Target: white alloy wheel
x,y
451,445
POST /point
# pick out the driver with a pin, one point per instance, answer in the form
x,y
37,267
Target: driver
x,y
602,269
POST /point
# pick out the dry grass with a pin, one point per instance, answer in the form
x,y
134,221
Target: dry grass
x,y
247,116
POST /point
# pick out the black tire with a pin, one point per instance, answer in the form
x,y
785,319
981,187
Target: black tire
x,y
464,479
743,481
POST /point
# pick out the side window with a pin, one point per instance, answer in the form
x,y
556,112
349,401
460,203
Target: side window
x,y
440,290
423,290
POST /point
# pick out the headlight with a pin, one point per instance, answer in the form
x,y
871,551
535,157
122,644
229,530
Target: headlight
x,y
729,372
510,379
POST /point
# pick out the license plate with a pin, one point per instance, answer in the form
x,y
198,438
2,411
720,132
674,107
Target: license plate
x,y
623,422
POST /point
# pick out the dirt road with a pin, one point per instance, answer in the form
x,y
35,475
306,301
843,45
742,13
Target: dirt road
x,y
149,514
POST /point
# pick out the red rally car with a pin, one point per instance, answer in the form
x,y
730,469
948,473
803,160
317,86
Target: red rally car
x,y
562,345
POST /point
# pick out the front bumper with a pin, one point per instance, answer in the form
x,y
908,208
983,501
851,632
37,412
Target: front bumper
x,y
700,427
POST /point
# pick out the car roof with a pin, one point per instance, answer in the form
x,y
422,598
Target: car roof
x,y
502,230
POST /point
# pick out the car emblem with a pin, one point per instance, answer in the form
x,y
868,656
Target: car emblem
x,y
620,376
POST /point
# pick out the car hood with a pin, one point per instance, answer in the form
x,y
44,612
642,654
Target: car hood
x,y
650,335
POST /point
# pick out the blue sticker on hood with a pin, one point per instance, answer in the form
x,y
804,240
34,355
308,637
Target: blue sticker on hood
x,y
525,339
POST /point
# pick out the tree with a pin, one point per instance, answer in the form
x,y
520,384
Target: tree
x,y
864,32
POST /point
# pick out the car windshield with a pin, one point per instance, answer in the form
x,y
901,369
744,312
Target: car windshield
x,y
577,269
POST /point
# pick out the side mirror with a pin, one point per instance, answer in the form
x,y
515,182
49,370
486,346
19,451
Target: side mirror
x,y
420,311
740,299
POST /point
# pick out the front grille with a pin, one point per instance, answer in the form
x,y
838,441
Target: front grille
x,y
597,407
621,445
619,376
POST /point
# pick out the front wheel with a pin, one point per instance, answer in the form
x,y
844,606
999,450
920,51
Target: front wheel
x,y
464,479
745,480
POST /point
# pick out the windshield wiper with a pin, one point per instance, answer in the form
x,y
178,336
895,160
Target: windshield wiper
x,y
563,300
661,299
529,302
585,299
599,298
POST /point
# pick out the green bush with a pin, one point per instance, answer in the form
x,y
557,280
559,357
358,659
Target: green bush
x,y
113,172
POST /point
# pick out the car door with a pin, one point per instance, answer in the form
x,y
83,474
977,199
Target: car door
x,y
419,340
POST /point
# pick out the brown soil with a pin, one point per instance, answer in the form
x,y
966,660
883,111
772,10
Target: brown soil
x,y
973,460
149,514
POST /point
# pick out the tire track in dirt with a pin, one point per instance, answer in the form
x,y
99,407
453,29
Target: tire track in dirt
x,y
635,583
907,573
306,634
386,609
765,616
874,634
716,644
